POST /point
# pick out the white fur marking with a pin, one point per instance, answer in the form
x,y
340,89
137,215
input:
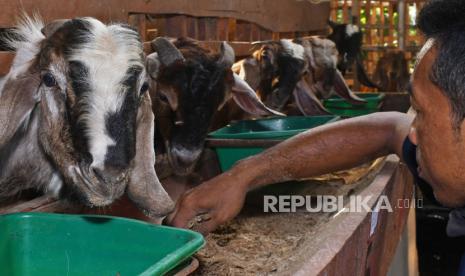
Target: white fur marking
x,y
2,83
108,56
186,154
351,29
54,186
242,71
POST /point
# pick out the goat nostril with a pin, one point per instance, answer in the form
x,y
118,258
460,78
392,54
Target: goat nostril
x,y
87,158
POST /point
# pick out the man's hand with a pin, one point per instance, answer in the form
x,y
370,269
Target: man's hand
x,y
210,204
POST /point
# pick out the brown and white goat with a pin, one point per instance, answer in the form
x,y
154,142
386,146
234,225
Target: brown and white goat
x,y
303,68
190,87
75,117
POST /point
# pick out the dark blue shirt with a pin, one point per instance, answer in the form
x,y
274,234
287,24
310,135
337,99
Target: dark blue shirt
x,y
456,223
409,154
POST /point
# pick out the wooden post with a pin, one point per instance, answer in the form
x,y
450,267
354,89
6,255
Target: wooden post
x,y
401,26
139,21
355,12
355,19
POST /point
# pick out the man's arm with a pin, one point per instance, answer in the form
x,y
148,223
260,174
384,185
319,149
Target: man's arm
x,y
333,147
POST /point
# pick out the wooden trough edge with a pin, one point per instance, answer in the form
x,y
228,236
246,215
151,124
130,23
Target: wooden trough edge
x,y
361,243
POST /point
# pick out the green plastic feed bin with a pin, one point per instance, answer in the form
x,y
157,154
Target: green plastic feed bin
x,y
53,244
276,129
341,107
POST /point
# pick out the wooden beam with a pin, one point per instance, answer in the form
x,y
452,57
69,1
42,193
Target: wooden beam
x,y
401,24
270,14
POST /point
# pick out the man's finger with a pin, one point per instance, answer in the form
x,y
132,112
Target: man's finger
x,y
181,216
206,227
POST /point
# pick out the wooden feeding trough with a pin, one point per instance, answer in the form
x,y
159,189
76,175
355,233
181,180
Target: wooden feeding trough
x,y
301,243
359,243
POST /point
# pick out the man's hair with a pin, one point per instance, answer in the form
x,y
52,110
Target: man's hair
x,y
444,21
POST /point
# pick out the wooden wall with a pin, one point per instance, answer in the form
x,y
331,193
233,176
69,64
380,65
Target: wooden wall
x,y
207,20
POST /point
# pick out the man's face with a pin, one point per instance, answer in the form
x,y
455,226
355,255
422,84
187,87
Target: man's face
x,y
441,148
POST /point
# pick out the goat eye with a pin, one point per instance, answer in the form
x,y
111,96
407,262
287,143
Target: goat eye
x,y
162,97
144,88
49,80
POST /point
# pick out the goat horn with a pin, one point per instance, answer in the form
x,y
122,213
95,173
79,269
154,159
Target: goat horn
x,y
227,54
261,42
167,52
53,26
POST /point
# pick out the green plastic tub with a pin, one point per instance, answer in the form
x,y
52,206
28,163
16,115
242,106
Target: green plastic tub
x,y
341,107
53,244
243,132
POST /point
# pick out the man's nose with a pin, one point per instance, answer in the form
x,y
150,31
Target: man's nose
x,y
413,135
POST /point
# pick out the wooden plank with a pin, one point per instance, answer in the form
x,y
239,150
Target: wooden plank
x,y
391,37
382,22
374,246
345,12
255,33
139,22
6,59
265,34
271,14
159,23
333,10
191,27
232,29
211,29
287,35
243,31
401,24
176,26
222,29
275,36
201,25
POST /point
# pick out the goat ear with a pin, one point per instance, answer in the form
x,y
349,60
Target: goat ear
x,y
332,24
306,100
227,56
341,88
144,187
248,100
53,26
